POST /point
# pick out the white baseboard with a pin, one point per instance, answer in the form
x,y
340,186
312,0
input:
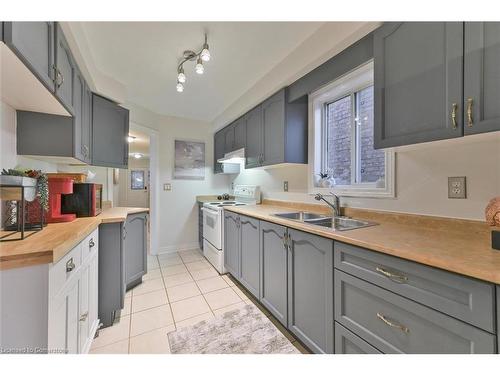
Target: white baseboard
x,y
176,248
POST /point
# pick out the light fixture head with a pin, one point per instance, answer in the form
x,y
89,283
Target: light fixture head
x,y
205,53
131,139
179,87
181,77
199,66
137,155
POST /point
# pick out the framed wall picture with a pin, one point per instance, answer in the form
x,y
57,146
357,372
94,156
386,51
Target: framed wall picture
x,y
137,180
189,160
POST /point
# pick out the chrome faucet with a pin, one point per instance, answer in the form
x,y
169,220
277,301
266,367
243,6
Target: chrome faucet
x,y
335,206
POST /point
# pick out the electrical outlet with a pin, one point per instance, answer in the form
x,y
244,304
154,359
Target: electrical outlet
x,y
285,185
457,188
167,187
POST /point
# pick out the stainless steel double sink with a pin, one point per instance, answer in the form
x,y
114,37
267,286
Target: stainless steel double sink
x,y
337,223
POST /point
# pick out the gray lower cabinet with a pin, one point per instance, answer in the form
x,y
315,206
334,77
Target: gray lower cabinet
x,y
33,43
65,69
459,296
418,85
394,324
482,77
218,150
110,125
232,244
347,342
253,148
250,254
135,232
273,265
111,272
310,290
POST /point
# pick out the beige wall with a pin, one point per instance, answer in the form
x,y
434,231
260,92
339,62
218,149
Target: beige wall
x,y
422,173
178,215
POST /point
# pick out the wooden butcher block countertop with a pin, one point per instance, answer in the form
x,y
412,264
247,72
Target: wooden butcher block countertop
x,y
55,240
460,246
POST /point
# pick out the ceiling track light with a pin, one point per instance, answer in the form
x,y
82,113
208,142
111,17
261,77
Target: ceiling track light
x,y
200,57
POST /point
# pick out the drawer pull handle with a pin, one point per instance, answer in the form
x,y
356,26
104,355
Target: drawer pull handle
x,y
392,276
91,243
392,324
83,317
70,265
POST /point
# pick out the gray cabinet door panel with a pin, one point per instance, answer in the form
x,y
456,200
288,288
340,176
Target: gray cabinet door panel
x,y
464,298
232,244
417,77
229,138
394,324
78,113
250,254
274,270
273,120
253,149
33,43
218,150
347,342
65,65
482,76
135,247
110,124
240,133
310,290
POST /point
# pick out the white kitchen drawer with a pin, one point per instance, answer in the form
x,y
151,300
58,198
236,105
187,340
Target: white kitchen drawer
x,y
64,269
89,245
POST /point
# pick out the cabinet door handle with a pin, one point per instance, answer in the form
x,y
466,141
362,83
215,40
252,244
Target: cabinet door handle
x,y
91,243
392,324
470,120
83,317
393,276
454,108
124,233
59,78
70,265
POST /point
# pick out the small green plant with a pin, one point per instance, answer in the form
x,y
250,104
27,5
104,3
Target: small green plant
x,y
42,183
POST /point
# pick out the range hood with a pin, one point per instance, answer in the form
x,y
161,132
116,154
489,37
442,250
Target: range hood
x,y
233,157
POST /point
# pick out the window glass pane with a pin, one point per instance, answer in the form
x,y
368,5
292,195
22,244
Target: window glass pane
x,y
338,131
370,162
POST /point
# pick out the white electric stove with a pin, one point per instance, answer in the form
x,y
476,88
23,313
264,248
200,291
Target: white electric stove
x,y
213,223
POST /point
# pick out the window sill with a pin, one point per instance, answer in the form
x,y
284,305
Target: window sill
x,y
355,192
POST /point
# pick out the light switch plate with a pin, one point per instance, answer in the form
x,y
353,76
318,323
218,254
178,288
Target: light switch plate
x,y
167,187
457,187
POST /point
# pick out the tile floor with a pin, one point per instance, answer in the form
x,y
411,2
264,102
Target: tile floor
x,y
180,289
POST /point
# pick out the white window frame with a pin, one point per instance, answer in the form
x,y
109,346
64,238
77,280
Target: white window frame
x,y
351,82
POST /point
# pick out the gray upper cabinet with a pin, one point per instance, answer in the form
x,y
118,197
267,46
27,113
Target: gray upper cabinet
x,y
232,244
229,138
310,290
482,77
33,43
110,125
218,150
418,82
253,148
65,71
135,233
274,258
250,254
273,124
240,133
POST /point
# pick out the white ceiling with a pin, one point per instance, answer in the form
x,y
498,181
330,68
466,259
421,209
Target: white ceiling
x,y
143,56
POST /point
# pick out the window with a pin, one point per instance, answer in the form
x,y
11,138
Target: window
x,y
342,127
